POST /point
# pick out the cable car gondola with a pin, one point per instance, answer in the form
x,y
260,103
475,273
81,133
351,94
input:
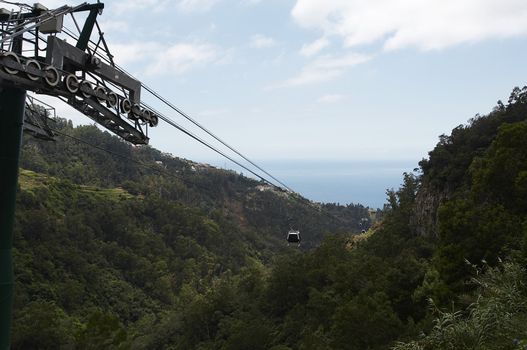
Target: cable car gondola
x,y
293,236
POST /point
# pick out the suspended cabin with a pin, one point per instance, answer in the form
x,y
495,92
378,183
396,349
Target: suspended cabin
x,y
293,236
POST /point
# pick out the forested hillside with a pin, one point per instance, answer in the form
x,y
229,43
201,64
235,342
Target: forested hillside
x,y
118,239
111,254
145,171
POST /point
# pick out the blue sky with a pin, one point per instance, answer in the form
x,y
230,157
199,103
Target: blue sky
x,y
319,80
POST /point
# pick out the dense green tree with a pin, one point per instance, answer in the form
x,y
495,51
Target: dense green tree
x,y
42,325
102,331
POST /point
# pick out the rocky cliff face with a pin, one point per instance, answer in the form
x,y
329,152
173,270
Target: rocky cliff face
x,y
425,215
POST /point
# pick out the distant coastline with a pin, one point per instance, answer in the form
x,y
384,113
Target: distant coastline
x,y
344,182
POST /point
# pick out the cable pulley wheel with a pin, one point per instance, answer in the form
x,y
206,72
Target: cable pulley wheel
x,y
35,65
136,111
11,56
72,83
146,115
51,76
154,120
101,90
85,86
126,106
112,99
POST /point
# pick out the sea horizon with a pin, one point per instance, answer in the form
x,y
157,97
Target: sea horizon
x,y
362,182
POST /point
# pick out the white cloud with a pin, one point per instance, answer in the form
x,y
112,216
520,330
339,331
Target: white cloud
x,y
314,47
186,6
158,59
330,98
180,58
250,2
261,41
112,26
425,24
326,68
195,5
134,52
279,59
138,5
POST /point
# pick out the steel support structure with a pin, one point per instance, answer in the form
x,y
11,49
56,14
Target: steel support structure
x,y
12,104
82,76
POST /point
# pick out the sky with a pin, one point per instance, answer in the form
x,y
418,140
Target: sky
x,y
318,81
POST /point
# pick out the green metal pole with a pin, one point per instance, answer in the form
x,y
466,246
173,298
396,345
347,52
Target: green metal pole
x,y
12,103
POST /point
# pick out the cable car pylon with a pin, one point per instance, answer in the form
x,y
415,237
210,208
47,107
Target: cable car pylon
x,y
75,74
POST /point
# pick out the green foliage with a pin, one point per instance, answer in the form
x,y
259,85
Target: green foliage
x,y
146,171
479,170
495,320
42,325
501,176
102,331
130,256
365,322
161,274
475,233
449,161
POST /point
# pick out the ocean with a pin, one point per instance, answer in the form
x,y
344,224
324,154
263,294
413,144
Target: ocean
x,y
358,182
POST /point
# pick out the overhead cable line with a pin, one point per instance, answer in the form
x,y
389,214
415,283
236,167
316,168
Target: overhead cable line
x,y
193,121
197,138
203,142
160,171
